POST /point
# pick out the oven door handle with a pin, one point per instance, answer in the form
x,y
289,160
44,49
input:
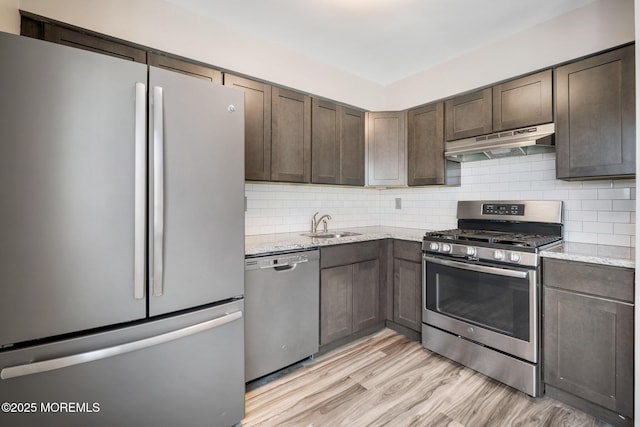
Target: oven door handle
x,y
478,268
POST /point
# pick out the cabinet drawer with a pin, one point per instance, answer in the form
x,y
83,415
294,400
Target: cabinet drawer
x,y
600,280
410,251
348,254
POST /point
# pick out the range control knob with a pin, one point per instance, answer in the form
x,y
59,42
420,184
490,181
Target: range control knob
x,y
446,247
498,255
513,257
434,246
471,251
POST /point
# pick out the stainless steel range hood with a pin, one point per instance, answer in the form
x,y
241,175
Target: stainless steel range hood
x,y
519,142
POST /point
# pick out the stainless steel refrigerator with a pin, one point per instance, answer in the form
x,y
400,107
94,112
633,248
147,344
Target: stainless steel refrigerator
x,y
121,242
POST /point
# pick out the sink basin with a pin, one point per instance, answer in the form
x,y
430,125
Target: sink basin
x,y
330,234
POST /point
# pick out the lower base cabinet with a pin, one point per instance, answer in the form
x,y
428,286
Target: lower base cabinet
x,y
349,290
588,338
407,284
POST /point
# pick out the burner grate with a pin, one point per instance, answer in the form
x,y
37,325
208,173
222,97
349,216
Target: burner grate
x,y
494,237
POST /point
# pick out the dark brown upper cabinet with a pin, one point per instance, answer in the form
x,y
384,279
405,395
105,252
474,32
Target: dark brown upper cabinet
x,y
257,126
595,116
425,146
523,102
351,146
325,142
290,136
386,141
337,143
60,35
184,67
469,115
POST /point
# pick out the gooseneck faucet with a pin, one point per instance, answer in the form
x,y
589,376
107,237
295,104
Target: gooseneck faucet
x,y
315,222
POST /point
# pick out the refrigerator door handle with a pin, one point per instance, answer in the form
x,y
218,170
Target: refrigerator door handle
x,y
140,190
90,356
158,190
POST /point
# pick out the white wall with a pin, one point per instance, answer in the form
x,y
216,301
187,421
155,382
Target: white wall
x,y
9,16
597,26
159,24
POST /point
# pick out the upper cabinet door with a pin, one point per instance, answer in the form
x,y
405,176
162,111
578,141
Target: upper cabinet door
x,y
351,147
469,115
185,67
325,143
257,126
291,136
595,116
523,102
425,140
386,148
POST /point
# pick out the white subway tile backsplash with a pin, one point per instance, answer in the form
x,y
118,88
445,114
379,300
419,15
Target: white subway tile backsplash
x,y
614,193
594,211
581,237
614,239
623,217
597,227
596,205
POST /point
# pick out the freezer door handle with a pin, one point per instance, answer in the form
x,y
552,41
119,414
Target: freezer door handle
x,y
90,356
158,191
140,196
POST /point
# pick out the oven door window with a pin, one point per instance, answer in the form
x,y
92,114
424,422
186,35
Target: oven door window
x,y
495,302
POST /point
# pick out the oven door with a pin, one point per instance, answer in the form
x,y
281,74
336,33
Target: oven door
x,y
493,305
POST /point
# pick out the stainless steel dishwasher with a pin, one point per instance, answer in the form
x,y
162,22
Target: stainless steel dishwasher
x,y
282,310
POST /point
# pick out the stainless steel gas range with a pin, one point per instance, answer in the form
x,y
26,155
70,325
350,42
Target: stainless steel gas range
x,y
481,288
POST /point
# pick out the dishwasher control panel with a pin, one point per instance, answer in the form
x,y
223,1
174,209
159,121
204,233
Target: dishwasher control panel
x,y
280,260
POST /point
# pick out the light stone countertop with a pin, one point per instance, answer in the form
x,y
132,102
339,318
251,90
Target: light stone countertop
x,y
617,256
261,244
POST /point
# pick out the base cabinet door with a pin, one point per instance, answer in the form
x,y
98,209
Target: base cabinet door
x,y
407,290
366,289
589,348
336,303
588,338
349,290
407,284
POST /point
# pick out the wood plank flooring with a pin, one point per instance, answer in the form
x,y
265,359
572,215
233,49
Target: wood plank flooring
x,y
388,380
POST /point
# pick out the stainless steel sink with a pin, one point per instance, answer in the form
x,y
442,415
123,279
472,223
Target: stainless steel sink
x,y
330,235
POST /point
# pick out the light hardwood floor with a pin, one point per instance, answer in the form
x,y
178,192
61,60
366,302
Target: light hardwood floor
x,y
388,380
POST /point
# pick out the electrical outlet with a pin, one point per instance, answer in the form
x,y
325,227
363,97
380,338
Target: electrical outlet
x,y
398,203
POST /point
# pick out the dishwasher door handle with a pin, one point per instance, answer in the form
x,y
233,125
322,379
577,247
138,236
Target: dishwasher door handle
x,y
286,267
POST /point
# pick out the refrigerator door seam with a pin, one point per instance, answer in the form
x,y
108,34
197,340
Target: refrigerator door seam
x,y
90,356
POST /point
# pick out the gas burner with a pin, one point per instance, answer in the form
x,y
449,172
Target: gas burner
x,y
493,237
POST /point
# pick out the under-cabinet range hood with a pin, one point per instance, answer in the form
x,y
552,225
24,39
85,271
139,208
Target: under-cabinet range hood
x,y
518,142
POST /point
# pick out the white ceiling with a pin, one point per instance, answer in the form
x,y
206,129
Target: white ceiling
x,y
381,40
